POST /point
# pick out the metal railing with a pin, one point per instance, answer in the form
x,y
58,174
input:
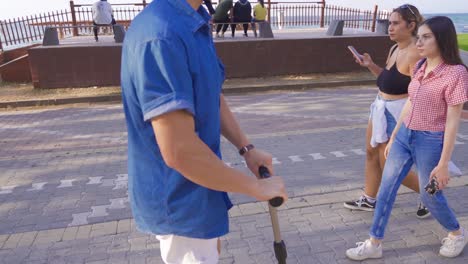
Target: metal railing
x,y
296,14
319,14
30,29
123,14
78,20
27,30
355,18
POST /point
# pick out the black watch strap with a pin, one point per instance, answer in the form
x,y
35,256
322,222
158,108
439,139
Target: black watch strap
x,y
246,149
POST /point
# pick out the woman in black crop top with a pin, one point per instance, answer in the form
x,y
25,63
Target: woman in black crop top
x,y
393,81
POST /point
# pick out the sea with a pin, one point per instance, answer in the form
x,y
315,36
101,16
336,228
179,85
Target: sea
x,y
460,20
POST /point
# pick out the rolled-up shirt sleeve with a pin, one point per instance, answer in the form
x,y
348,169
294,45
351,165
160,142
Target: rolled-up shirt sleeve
x,y
457,89
163,80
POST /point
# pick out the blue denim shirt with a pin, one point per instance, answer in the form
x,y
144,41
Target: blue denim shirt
x,y
169,63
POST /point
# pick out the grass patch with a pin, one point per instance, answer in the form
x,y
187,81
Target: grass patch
x,y
463,41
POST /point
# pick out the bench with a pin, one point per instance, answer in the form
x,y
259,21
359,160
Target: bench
x,y
51,36
336,26
264,28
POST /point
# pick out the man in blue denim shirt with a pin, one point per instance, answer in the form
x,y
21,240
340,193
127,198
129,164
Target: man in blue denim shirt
x,y
175,113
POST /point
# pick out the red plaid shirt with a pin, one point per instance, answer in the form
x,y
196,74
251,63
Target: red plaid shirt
x,y
445,85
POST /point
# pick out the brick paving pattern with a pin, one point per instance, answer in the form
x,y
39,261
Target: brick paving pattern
x,y
63,196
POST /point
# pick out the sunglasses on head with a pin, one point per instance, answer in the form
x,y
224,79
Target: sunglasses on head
x,y
408,7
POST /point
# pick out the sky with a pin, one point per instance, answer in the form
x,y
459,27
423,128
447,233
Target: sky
x,y
18,8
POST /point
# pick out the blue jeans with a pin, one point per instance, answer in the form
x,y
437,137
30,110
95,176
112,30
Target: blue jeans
x,y
423,148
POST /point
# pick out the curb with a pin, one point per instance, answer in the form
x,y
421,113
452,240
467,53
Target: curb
x,y
227,90
62,101
296,86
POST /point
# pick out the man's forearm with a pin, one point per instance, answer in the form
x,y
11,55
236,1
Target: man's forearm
x,y
199,164
230,128
184,151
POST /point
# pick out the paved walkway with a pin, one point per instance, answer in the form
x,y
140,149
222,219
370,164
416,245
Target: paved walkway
x,y
63,185
24,95
316,229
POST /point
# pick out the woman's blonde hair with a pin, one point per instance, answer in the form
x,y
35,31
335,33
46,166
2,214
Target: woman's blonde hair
x,y
410,13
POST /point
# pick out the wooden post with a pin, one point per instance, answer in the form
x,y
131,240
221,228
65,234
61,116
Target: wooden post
x,y
269,10
144,3
374,18
322,18
72,9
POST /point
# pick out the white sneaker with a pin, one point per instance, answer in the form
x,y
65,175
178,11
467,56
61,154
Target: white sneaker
x,y
364,250
453,246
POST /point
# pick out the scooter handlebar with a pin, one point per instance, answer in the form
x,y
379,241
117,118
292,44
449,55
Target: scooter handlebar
x,y
265,173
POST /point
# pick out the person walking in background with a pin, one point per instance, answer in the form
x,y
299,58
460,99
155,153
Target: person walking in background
x,y
259,15
393,81
242,13
102,16
175,114
425,135
222,16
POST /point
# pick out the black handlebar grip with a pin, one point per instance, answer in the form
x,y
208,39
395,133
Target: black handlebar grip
x,y
265,173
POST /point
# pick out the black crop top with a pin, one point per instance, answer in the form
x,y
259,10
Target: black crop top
x,y
392,81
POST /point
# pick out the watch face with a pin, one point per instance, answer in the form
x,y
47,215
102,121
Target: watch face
x,y
243,150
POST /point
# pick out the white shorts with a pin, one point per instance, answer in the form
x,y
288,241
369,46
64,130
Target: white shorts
x,y
186,250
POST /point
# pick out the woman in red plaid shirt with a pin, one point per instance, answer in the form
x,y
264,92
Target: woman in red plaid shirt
x,y
425,136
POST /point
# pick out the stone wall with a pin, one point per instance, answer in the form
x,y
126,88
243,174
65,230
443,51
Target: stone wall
x,y
13,69
83,66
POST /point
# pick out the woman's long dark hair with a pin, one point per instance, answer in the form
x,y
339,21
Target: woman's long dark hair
x,y
262,3
446,37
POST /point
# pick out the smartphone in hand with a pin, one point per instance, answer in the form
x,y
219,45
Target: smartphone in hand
x,y
355,53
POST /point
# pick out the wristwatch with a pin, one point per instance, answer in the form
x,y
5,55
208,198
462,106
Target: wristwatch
x,y
246,149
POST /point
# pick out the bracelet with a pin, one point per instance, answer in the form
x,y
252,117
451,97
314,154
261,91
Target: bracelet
x,y
246,149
